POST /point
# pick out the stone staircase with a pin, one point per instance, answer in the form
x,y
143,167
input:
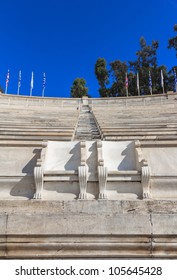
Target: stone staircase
x,y
86,127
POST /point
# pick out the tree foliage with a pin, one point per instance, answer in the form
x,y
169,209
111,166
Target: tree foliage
x,y
117,71
146,61
101,72
79,89
172,42
112,81
102,76
171,79
1,89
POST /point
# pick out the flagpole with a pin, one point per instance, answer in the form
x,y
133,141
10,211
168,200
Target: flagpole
x,y
162,81
175,80
126,84
43,85
31,86
150,83
6,89
7,81
127,92
163,89
31,91
138,85
19,83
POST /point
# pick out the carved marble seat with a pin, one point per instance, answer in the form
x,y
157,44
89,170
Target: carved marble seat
x,y
58,163
124,173
94,167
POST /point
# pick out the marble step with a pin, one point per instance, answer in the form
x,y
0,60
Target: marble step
x,y
86,128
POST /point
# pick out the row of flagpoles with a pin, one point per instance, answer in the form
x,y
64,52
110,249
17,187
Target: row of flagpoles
x,y
126,83
31,83
150,82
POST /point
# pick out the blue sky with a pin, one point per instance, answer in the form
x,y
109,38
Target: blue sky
x,y
64,38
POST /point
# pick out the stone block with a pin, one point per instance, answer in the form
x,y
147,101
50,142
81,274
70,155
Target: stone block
x,y
164,224
83,224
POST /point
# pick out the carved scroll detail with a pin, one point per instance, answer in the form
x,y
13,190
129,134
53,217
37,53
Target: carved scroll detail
x,y
138,155
102,177
102,172
83,172
145,180
143,167
38,174
38,178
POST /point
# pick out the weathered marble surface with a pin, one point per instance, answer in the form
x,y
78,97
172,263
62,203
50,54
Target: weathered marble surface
x,y
50,229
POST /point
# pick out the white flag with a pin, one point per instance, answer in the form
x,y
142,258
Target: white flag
x,y
7,77
43,84
31,87
44,81
32,80
19,82
7,80
162,81
19,78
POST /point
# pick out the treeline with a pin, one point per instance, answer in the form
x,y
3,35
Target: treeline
x,y
111,78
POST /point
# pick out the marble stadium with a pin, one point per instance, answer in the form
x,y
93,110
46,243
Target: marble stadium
x,y
88,178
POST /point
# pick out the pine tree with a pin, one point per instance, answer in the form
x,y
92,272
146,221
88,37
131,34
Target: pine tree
x,y
172,42
102,76
117,71
78,89
146,61
1,89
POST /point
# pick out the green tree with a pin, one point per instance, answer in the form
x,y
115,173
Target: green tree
x,y
79,89
156,79
132,84
1,89
118,71
102,76
146,61
172,42
171,79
